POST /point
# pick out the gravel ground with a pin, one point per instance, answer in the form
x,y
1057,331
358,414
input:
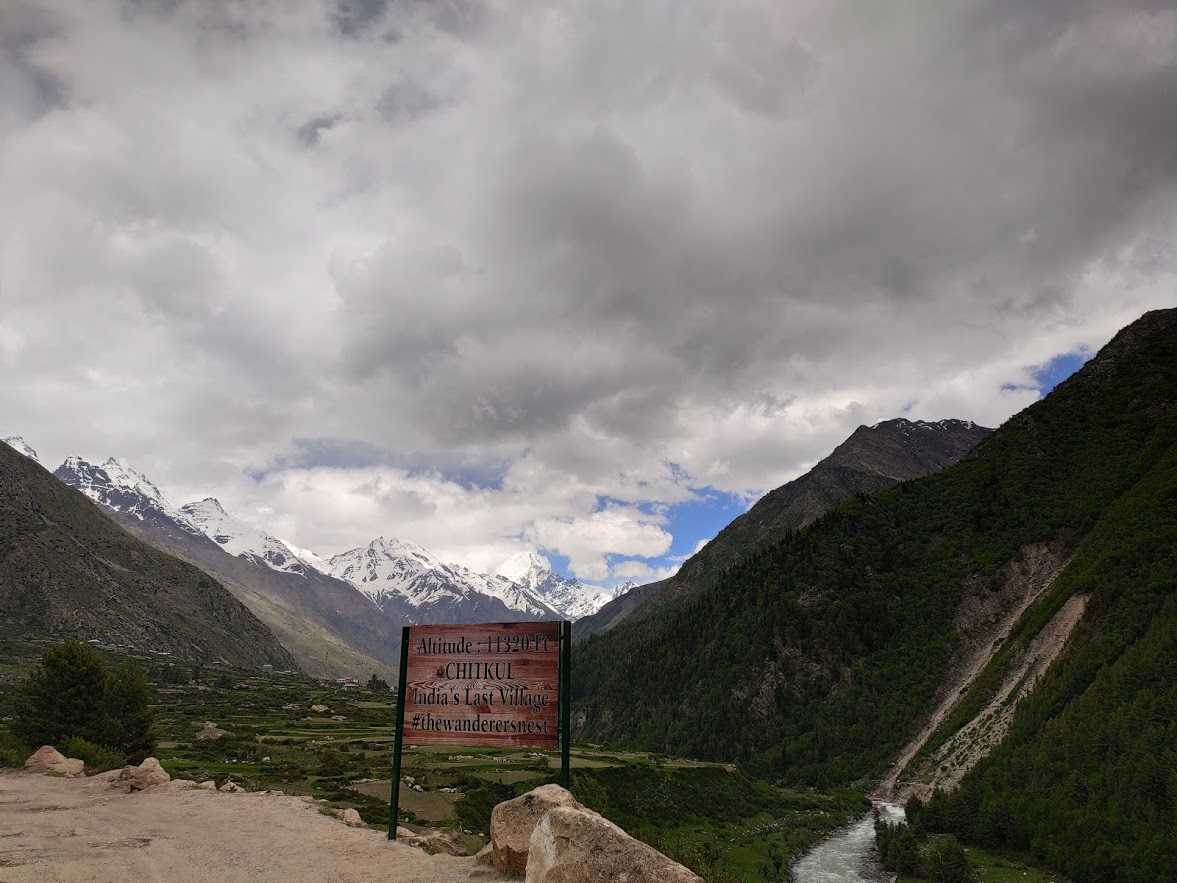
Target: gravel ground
x,y
84,831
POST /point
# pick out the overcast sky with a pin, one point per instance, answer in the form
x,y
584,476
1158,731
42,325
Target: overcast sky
x,y
581,276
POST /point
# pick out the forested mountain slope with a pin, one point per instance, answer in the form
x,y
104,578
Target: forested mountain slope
x,y
68,570
1086,778
872,458
815,659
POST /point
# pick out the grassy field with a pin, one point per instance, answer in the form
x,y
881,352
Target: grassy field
x,y
995,867
708,816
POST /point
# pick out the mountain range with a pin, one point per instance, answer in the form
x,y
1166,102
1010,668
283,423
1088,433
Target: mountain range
x,y
1001,634
340,615
871,459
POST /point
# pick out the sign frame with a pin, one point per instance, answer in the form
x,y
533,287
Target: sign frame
x,y
564,714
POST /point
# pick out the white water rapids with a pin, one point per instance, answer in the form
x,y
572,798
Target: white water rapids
x,y
847,856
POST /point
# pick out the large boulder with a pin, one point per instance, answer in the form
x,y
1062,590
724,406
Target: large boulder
x,y
44,757
512,822
48,759
571,845
138,778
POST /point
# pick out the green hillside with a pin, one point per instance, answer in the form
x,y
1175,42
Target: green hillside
x,y
1086,779
816,659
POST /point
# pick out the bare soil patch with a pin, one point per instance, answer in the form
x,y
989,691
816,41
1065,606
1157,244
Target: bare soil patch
x,y
180,835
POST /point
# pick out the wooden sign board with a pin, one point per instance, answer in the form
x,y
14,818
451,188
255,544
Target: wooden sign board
x,y
503,685
492,684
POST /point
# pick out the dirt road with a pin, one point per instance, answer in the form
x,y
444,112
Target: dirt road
x,y
83,831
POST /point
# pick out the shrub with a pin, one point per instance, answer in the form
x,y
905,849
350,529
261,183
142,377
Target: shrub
x,y
944,860
13,752
127,723
98,759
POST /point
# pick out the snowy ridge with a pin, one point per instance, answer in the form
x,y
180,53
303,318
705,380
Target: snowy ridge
x,y
392,571
117,485
21,446
241,539
570,598
400,577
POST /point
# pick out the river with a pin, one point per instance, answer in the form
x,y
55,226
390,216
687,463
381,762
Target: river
x,y
847,856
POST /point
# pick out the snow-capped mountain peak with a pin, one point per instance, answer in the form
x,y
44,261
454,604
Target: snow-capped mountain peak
x,y
123,475
526,568
568,597
22,447
118,485
401,574
240,538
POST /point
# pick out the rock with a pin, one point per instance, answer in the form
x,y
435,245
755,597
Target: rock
x,y
320,709
485,856
43,758
182,783
512,822
351,818
71,767
210,732
230,787
137,778
207,785
433,842
571,845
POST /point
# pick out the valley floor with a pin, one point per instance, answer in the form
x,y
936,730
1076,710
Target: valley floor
x,y
55,830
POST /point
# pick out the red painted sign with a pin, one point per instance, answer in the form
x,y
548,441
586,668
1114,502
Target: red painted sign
x,y
491,684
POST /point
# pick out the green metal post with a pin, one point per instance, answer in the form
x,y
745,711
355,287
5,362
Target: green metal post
x,y
394,797
565,702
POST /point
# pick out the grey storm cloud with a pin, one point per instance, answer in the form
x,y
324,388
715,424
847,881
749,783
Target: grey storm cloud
x,y
612,250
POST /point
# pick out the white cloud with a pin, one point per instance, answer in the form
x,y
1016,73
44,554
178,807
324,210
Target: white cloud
x,y
640,571
597,255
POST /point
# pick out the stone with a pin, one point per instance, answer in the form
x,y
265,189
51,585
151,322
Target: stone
x,y
43,758
485,856
207,785
512,822
351,818
71,768
230,787
320,709
210,732
138,778
575,845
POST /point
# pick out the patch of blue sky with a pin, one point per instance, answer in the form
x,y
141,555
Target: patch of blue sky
x,y
1058,369
1053,372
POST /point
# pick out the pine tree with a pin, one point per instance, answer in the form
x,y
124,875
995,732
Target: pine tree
x,y
63,698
